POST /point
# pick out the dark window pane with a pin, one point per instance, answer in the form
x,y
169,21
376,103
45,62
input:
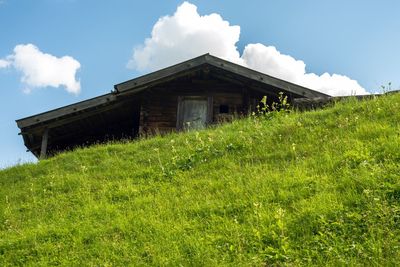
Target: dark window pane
x,y
224,109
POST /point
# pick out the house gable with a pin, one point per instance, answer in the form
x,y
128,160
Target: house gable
x,y
220,67
154,103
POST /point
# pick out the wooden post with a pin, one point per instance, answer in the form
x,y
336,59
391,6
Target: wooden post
x,y
43,149
210,111
179,116
245,102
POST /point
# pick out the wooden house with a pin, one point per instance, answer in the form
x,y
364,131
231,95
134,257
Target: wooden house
x,y
189,95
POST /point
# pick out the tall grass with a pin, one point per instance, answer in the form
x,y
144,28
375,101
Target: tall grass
x,y
316,188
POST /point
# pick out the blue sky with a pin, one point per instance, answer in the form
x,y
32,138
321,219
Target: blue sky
x,y
358,39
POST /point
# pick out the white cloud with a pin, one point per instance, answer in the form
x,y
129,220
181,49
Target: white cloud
x,y
4,63
269,60
184,35
41,70
187,34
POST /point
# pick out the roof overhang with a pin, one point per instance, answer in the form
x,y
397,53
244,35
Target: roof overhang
x,y
63,112
67,122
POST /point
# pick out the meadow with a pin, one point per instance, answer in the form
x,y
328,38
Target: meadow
x,y
316,188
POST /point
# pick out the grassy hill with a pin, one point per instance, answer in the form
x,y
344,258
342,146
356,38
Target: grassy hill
x,y
314,188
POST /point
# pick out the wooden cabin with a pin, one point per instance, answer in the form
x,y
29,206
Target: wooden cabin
x,y
189,95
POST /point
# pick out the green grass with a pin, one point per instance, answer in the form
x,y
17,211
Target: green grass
x,y
315,188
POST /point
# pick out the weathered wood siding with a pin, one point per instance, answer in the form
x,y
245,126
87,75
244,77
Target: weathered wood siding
x,y
157,112
159,105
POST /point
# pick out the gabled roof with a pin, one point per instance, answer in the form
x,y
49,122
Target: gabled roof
x,y
244,75
143,82
68,122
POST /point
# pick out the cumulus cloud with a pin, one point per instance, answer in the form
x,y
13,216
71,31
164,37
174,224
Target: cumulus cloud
x,y
42,70
187,34
269,60
184,35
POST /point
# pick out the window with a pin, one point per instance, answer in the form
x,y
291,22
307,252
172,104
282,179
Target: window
x,y
193,112
223,109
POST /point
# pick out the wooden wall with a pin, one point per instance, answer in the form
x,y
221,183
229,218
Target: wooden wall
x,y
158,112
159,105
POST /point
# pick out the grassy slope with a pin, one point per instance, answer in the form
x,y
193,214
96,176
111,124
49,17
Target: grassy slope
x,y
317,188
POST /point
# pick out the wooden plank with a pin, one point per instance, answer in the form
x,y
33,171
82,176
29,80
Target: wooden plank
x,y
262,78
210,110
66,110
160,124
43,148
179,113
160,75
72,117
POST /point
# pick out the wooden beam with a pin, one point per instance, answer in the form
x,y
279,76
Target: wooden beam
x,y
210,111
163,74
136,89
66,110
249,85
179,113
262,78
73,117
43,148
